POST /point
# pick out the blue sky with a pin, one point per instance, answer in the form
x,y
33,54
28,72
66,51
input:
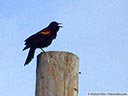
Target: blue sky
x,y
95,30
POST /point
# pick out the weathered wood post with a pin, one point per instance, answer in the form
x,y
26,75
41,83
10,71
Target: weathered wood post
x,y
57,74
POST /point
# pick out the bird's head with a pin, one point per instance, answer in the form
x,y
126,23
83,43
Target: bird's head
x,y
55,24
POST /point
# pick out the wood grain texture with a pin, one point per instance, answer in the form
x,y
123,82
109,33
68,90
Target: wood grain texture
x,y
57,74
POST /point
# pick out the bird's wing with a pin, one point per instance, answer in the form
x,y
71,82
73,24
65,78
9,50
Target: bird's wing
x,y
45,32
40,36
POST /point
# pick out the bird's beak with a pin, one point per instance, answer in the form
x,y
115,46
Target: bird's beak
x,y
60,25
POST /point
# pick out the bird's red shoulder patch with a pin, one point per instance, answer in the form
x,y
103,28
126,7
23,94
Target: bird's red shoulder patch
x,y
45,32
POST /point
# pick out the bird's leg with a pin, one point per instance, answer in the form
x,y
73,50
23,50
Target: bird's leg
x,y
42,49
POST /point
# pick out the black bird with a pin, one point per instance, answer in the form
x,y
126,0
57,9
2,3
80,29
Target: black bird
x,y
41,39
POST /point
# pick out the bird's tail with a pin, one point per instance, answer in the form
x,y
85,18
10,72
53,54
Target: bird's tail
x,y
30,55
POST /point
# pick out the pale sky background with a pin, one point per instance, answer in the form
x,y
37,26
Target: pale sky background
x,y
95,30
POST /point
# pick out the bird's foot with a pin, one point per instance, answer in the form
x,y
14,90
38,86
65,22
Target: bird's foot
x,y
42,50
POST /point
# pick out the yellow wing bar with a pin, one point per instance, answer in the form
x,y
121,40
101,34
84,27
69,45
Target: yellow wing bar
x,y
45,32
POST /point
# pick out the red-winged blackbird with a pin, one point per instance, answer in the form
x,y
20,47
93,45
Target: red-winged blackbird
x,y
41,39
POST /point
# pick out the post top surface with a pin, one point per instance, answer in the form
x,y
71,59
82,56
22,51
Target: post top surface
x,y
58,52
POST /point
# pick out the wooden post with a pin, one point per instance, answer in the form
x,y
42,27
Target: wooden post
x,y
57,74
